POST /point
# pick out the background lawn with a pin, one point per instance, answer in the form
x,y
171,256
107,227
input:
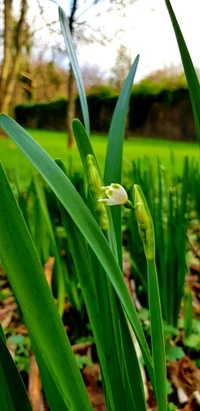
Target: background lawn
x,y
55,144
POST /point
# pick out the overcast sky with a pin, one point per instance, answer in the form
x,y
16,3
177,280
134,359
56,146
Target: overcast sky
x,y
146,30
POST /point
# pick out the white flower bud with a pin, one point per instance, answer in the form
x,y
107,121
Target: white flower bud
x,y
116,195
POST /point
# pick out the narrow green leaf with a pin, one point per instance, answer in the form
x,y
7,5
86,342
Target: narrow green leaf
x,y
113,163
146,231
85,148
116,332
157,336
75,66
30,287
13,395
58,270
192,79
78,211
95,288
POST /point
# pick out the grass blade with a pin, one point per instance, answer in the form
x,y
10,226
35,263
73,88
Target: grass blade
x,y
146,230
107,318
113,163
30,287
118,340
75,66
84,220
192,79
85,148
58,274
13,394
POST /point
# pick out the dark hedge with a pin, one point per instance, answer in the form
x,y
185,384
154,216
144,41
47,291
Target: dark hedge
x,y
166,114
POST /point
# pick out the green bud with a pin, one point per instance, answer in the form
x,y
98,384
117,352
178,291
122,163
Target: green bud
x,y
129,204
94,185
145,223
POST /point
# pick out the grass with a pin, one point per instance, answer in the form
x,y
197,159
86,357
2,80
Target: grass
x,y
55,144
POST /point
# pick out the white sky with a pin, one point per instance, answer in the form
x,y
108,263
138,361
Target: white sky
x,y
147,31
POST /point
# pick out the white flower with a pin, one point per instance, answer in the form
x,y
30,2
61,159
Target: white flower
x,y
116,195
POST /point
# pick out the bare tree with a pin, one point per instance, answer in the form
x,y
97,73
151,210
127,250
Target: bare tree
x,y
121,67
83,33
12,52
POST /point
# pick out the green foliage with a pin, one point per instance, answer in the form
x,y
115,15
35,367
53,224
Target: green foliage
x,y
82,361
169,205
44,115
103,92
159,82
174,353
12,390
97,260
192,340
101,103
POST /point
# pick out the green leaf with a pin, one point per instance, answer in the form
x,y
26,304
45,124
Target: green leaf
x,y
58,274
85,148
17,339
33,294
192,79
78,211
74,62
157,337
106,320
170,331
13,394
82,360
146,231
174,353
193,341
113,163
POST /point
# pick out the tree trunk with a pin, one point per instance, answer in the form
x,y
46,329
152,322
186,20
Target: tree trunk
x,y
7,48
71,108
10,77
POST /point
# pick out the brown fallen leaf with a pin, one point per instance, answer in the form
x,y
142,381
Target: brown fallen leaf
x,y
184,374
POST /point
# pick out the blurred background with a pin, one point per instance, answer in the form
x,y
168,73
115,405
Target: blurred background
x,y
37,84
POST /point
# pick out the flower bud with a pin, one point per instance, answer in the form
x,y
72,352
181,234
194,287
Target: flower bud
x,y
145,223
94,185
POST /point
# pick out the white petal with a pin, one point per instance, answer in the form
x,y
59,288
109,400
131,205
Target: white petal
x,y
120,190
107,201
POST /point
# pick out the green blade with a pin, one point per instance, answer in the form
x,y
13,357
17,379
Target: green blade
x,y
85,148
13,395
101,317
30,287
157,337
74,62
82,218
115,330
192,79
113,163
58,275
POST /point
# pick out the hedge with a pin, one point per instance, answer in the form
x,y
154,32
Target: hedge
x,y
165,114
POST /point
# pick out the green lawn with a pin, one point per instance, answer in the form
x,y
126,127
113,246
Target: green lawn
x,y
55,144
